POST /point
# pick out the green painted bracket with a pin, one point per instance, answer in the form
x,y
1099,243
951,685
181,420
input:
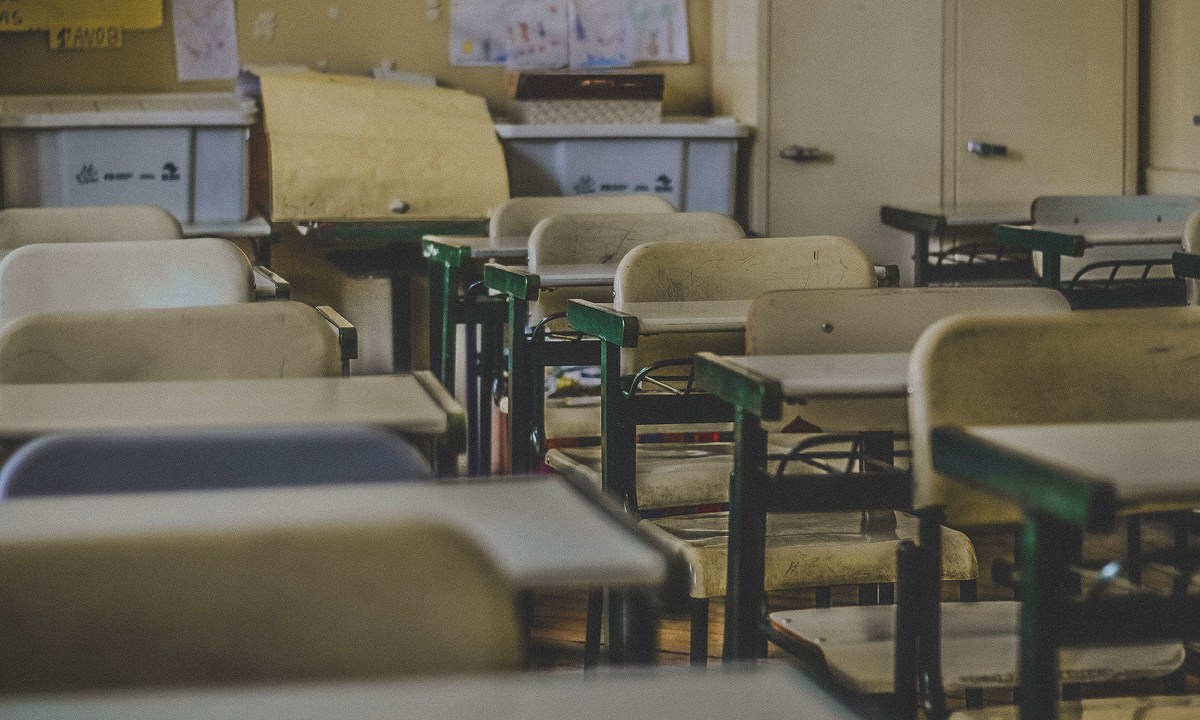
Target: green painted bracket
x,y
911,221
513,281
742,388
611,326
385,232
1186,265
1038,487
444,252
1027,236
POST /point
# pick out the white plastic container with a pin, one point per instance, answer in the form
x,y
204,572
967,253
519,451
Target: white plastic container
x,y
182,152
692,164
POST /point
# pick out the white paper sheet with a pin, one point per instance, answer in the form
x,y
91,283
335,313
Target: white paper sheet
x,y
538,33
600,37
660,30
205,39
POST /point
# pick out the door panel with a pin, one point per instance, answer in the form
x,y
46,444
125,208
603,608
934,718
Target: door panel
x,y
1047,80
861,81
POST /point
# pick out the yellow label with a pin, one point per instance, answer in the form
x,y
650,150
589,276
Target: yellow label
x,y
86,37
54,15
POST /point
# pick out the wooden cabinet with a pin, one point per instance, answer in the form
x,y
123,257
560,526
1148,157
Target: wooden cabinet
x,y
885,94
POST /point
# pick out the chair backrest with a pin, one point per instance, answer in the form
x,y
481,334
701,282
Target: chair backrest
x,y
207,459
25,226
1095,365
606,238
243,587
71,277
843,320
519,215
730,270
1103,209
213,342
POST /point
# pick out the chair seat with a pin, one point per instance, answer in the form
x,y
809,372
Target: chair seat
x,y
979,647
1154,707
810,549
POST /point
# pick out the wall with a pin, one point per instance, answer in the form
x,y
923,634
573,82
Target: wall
x,y
362,34
1172,151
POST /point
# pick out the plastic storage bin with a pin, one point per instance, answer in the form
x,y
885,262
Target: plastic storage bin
x,y
182,152
692,164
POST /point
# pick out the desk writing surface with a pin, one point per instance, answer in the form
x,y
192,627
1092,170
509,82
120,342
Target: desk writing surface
x,y
688,316
541,532
397,402
833,375
1119,233
1149,464
579,275
967,215
664,694
484,247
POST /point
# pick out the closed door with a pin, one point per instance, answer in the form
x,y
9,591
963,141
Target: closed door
x,y
859,81
1049,82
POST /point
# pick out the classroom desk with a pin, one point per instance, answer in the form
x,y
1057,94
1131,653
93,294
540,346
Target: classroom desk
x,y
543,532
530,353
923,221
385,248
1068,478
414,406
757,387
1055,241
731,692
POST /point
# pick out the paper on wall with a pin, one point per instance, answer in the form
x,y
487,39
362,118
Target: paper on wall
x,y
205,39
477,33
659,30
350,148
600,36
538,33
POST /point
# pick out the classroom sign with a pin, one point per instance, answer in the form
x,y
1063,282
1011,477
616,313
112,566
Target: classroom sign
x,y
81,24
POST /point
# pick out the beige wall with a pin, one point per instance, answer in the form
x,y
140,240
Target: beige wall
x,y
362,34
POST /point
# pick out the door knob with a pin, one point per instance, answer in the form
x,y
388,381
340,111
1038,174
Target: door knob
x,y
800,154
983,149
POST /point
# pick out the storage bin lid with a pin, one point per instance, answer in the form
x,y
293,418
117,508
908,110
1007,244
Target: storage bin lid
x,y
670,127
143,110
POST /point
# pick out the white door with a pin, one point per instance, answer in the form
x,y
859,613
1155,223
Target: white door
x,y
1047,80
860,81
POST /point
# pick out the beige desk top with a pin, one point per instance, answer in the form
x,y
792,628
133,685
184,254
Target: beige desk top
x,y
743,692
833,376
398,402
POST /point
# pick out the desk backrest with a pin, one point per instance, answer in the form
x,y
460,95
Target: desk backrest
x,y
852,320
1106,209
220,587
212,342
994,370
607,238
69,277
207,459
730,270
25,226
518,216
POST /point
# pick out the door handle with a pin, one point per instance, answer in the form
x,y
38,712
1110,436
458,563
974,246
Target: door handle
x,y
983,149
800,154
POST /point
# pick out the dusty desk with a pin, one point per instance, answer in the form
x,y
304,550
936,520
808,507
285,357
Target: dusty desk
x,y
385,248
766,693
925,221
1104,241
414,406
1068,478
541,533
757,387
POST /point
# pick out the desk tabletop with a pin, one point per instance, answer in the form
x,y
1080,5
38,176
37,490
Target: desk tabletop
x,y
1074,239
580,275
932,217
407,404
687,316
1085,471
832,376
484,247
667,694
542,532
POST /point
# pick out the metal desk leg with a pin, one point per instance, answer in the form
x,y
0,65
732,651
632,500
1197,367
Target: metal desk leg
x,y
520,395
401,322
1046,553
920,258
745,599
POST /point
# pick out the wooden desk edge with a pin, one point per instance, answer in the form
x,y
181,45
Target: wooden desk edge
x,y
603,322
739,386
1038,487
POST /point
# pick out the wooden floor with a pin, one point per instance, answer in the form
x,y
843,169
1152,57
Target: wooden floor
x,y
559,619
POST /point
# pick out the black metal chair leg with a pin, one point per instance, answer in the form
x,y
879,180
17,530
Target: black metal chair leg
x,y
595,618
699,634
